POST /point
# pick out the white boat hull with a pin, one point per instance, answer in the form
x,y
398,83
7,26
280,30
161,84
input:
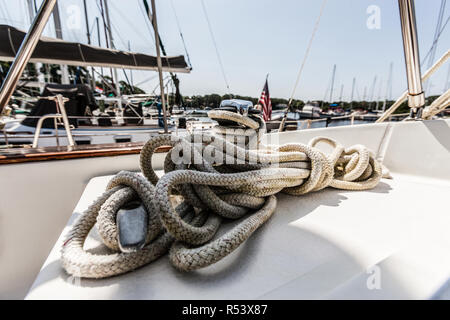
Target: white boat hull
x,y
24,135
323,245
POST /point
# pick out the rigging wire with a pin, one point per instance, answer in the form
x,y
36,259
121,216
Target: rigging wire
x,y
327,91
316,26
102,15
436,40
181,34
91,32
128,22
146,80
432,52
215,45
437,32
147,20
112,44
123,43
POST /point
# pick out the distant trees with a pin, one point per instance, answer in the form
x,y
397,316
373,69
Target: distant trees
x,y
126,88
213,101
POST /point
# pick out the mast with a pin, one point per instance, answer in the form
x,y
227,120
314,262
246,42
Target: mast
x,y
111,43
25,51
342,91
379,94
88,35
131,70
175,80
388,86
158,58
105,29
31,14
97,22
59,35
353,91
372,89
416,96
332,83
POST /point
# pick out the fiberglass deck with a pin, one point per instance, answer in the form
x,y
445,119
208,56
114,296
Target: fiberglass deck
x,y
389,242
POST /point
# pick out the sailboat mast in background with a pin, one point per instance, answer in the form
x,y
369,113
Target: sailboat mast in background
x,y
40,75
158,58
333,75
111,44
353,91
59,35
97,22
88,35
388,86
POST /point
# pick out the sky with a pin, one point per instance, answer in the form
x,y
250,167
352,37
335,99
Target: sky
x,y
259,37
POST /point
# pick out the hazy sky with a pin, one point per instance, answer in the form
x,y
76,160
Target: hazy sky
x,y
256,37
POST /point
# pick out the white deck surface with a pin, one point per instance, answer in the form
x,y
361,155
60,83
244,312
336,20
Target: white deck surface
x,y
392,242
322,245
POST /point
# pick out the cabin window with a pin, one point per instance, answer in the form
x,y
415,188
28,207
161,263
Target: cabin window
x,y
84,141
16,142
122,139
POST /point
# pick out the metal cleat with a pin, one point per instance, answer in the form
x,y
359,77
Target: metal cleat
x,y
131,223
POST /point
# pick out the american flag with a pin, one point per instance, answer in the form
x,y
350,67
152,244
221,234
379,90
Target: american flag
x,y
265,102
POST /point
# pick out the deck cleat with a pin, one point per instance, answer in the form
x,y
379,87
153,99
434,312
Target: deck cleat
x,y
242,107
132,223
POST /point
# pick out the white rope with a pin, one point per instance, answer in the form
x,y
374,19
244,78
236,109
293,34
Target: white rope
x,y
438,105
217,189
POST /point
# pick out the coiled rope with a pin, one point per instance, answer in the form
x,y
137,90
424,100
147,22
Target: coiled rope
x,y
219,176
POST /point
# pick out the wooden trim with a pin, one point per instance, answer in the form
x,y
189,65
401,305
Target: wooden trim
x,y
8,156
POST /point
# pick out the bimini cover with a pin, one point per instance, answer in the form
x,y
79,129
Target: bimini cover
x,y
55,51
81,101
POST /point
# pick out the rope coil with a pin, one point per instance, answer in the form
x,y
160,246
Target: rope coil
x,y
217,179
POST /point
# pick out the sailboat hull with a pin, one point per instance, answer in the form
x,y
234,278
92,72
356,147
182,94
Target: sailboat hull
x,y
339,237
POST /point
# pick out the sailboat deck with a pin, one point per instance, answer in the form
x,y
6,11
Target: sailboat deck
x,y
388,242
321,245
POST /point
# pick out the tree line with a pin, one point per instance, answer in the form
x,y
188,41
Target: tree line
x,y
213,101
